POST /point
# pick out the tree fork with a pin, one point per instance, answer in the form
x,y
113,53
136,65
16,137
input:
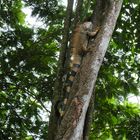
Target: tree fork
x,y
96,20
71,127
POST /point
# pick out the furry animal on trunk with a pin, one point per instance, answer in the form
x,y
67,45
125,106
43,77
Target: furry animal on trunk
x,y
79,46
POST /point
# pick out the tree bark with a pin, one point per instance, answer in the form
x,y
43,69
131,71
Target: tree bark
x,y
54,117
71,127
88,118
78,12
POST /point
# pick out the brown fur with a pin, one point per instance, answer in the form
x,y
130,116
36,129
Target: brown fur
x,y
79,41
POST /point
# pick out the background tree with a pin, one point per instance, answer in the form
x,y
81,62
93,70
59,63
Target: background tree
x,y
28,62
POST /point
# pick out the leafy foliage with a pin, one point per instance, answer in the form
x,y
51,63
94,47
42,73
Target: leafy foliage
x,y
27,71
28,63
115,116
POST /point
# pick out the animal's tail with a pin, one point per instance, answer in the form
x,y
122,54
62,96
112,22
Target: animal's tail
x,y
75,65
71,77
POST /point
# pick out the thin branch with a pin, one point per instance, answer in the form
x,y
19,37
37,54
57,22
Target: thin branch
x,y
62,57
44,106
54,119
78,12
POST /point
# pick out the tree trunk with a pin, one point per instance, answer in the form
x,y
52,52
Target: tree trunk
x,y
54,116
72,124
88,118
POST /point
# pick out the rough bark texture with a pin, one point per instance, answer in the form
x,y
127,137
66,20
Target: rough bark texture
x,y
54,118
78,12
71,127
88,119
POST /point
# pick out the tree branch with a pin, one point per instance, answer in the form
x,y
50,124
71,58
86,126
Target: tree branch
x,y
54,119
78,12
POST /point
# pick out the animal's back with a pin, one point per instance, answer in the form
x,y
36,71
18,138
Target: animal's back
x,y
76,42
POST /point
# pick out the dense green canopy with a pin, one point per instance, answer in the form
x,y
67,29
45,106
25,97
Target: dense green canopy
x,y
28,64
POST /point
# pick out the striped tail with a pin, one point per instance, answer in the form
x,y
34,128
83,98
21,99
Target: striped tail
x,y
71,77
75,65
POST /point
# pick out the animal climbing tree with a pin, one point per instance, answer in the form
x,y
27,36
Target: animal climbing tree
x,y
28,68
72,124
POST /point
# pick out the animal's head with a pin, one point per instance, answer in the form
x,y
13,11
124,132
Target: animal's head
x,y
87,25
